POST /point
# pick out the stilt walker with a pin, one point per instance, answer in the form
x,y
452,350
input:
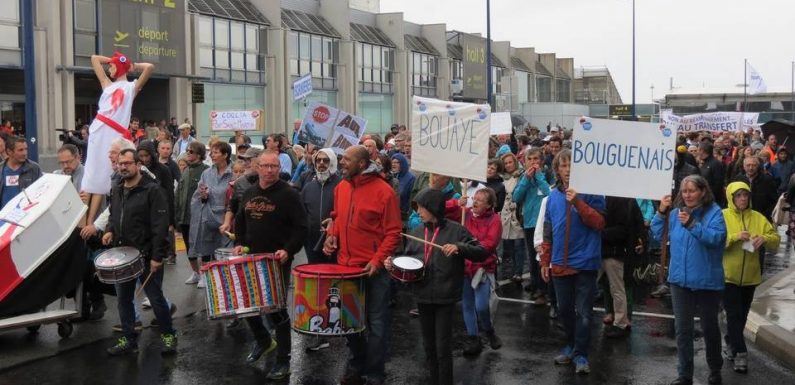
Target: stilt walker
x,y
112,121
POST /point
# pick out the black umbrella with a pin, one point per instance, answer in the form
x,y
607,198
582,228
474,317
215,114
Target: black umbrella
x,y
518,121
784,130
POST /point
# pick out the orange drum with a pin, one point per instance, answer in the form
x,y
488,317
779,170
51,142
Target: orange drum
x,y
328,300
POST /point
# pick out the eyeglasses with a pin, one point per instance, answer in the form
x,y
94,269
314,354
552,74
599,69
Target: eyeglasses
x,y
322,160
269,166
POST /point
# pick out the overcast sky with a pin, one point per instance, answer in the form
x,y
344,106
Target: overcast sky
x,y
700,43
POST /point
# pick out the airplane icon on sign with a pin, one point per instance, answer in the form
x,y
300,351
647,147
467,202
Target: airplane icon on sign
x,y
120,36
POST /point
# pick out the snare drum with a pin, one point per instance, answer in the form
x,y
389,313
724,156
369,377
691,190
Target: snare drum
x,y
244,286
223,253
407,269
328,300
119,264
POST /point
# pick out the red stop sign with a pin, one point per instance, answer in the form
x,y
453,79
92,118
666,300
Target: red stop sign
x,y
320,114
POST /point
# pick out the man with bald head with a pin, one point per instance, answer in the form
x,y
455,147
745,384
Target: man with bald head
x,y
272,208
365,230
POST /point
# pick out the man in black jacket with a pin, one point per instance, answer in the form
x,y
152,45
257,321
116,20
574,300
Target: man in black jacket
x,y
712,171
138,218
272,208
763,187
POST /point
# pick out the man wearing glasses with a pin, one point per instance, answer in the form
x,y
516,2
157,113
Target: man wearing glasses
x,y
273,208
139,219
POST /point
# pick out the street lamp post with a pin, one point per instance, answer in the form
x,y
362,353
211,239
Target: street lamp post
x,y
489,80
634,114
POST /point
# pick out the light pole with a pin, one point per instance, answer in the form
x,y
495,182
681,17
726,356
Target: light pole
x,y
652,93
634,114
488,54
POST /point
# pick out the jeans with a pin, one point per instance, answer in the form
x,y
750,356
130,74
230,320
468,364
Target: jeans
x,y
475,305
516,250
126,292
684,303
575,305
281,322
369,349
737,303
535,266
436,322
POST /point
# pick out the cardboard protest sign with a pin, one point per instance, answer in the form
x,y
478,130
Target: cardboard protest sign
x,y
501,123
348,131
450,138
318,124
621,158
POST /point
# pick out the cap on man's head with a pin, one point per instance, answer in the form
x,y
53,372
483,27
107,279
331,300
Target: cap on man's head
x,y
554,129
251,152
184,126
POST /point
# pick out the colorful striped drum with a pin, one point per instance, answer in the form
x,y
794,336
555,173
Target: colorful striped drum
x,y
244,286
328,300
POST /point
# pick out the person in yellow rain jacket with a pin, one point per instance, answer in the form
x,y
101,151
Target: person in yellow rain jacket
x,y
746,231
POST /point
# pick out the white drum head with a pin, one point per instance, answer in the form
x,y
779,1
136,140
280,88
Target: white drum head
x,y
408,263
117,256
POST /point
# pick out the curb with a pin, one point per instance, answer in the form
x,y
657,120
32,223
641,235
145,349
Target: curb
x,y
768,336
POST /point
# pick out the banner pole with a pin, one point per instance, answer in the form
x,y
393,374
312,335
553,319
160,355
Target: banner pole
x,y
464,208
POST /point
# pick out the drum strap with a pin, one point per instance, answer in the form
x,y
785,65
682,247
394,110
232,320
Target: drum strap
x,y
429,248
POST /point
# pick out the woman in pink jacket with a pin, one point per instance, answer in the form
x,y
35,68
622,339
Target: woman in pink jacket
x,y
479,281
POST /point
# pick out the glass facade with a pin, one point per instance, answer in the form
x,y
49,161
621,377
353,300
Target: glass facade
x,y
229,97
563,88
544,89
10,33
328,98
85,31
377,109
375,65
424,68
231,50
316,54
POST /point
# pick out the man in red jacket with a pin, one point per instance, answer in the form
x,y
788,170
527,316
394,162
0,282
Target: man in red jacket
x,y
365,230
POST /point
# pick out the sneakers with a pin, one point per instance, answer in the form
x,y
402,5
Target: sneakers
x,y
123,346
553,312
233,323
494,341
581,365
516,278
565,356
202,283
414,313
608,320
741,363
193,279
728,352
146,304
661,291
169,343
473,346
172,260
279,371
316,344
613,331
540,301
138,327
682,381
258,350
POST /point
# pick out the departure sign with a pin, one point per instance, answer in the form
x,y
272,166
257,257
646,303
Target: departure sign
x,y
150,31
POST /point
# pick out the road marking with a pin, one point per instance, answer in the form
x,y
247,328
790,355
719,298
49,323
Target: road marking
x,y
599,309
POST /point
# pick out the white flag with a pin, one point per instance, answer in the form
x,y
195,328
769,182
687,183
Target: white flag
x,y
756,85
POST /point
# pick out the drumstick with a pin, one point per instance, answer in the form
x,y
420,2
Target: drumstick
x,y
229,235
140,289
421,240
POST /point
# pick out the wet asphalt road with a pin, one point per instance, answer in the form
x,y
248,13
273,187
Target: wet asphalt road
x,y
209,353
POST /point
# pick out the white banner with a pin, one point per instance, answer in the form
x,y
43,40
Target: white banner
x,y
621,158
450,138
236,120
724,121
501,123
302,87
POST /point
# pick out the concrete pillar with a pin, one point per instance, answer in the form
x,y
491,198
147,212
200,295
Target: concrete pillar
x,y
337,13
392,25
548,60
437,36
278,98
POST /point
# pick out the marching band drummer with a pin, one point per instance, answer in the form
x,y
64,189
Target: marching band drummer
x,y
271,219
437,293
365,230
